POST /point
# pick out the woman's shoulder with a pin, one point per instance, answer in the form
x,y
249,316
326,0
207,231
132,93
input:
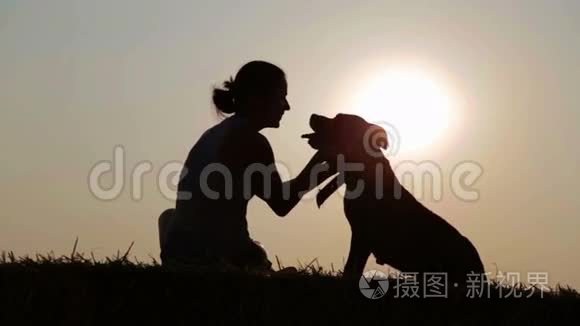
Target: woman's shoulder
x,y
249,142
243,133
258,140
237,143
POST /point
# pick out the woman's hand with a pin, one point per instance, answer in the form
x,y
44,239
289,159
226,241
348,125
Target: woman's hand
x,y
266,183
319,168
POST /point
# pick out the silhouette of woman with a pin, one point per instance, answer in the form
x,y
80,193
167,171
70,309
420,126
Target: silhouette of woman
x,y
229,164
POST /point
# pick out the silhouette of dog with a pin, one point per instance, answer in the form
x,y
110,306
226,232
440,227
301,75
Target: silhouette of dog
x,y
396,228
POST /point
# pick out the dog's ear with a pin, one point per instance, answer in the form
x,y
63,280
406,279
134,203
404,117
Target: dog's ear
x,y
376,137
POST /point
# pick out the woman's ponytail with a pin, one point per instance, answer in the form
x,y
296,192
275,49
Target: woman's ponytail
x,y
224,99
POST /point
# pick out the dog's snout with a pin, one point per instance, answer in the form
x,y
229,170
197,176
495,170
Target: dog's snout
x,y
319,122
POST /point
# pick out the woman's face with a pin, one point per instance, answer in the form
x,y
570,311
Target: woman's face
x,y
272,106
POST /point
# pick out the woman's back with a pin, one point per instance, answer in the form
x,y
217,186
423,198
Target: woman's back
x,y
211,207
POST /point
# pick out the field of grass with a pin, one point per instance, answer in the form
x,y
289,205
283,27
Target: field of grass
x,y
77,290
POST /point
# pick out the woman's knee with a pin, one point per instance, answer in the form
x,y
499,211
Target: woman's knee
x,y
163,225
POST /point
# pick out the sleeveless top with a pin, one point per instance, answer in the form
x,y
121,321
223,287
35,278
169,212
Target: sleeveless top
x,y
211,208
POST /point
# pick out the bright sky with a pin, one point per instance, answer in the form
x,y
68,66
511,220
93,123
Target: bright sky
x,y
79,77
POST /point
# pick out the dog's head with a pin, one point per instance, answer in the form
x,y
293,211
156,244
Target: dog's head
x,y
346,134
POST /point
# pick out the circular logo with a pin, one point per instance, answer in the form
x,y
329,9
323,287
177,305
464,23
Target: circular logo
x,y
373,284
382,135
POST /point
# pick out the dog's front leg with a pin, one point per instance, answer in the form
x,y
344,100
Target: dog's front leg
x,y
357,256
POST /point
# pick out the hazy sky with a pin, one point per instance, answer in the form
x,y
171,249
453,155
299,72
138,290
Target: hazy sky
x,y
79,77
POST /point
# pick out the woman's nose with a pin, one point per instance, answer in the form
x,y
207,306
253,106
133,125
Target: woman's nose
x,y
286,105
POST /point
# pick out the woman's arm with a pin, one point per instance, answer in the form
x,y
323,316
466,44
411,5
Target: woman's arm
x,y
267,184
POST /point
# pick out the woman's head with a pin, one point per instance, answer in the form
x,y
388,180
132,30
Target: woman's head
x,y
258,92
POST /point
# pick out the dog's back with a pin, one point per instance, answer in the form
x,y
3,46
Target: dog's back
x,y
406,235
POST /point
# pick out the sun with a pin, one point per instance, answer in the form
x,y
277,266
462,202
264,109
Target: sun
x,y
416,109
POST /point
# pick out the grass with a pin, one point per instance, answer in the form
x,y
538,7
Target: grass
x,y
81,290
